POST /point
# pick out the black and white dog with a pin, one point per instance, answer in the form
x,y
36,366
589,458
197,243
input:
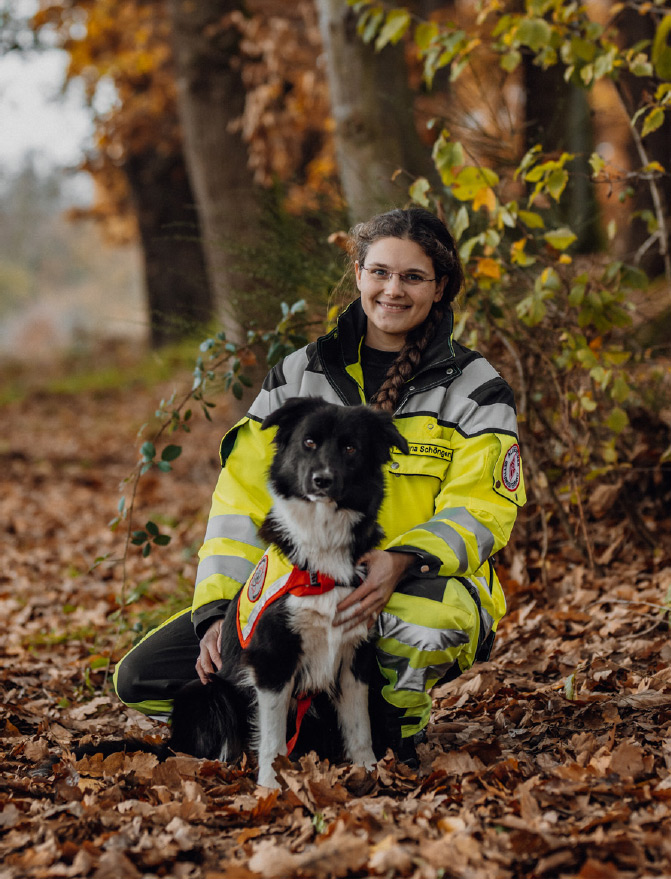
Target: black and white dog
x,y
327,485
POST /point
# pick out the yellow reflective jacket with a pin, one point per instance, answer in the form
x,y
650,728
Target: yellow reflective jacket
x,y
452,501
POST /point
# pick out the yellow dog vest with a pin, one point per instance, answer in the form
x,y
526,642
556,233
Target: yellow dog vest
x,y
273,577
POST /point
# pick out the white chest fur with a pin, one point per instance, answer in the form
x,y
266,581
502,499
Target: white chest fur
x,y
321,534
325,647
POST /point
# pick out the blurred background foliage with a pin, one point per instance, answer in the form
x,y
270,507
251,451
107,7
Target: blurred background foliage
x,y
243,139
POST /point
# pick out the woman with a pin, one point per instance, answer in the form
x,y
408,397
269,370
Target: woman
x,y
450,504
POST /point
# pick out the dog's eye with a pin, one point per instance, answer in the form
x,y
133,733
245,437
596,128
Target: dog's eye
x,y
350,449
309,443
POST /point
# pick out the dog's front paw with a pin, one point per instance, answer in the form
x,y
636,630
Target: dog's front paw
x,y
268,779
366,759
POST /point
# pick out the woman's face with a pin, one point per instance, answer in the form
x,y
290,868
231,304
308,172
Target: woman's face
x,y
394,306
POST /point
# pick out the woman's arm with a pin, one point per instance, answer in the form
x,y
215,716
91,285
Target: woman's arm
x,y
240,502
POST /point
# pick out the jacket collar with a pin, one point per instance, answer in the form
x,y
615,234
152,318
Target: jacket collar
x,y
341,347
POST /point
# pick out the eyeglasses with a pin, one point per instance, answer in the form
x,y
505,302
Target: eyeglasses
x,y
407,279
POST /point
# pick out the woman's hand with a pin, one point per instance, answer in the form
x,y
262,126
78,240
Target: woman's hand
x,y
209,660
364,604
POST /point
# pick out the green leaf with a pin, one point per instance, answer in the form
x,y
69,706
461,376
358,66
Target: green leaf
x,y
99,662
653,121
511,61
560,239
397,23
577,295
531,219
369,23
152,528
447,156
146,549
617,420
596,163
237,390
148,451
569,686
460,223
425,33
661,49
171,453
162,539
557,183
471,180
534,33
164,467
418,191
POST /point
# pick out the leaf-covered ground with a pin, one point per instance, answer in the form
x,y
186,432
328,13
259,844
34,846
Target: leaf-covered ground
x,y
551,760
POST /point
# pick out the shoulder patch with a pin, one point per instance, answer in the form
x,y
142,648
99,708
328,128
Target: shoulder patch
x,y
511,469
257,579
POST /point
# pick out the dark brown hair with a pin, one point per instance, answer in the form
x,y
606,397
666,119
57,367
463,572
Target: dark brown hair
x,y
432,235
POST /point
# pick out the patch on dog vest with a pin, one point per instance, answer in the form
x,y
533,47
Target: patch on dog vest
x,y
256,581
510,471
273,577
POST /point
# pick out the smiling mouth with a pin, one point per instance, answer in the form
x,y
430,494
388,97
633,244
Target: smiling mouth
x,y
388,306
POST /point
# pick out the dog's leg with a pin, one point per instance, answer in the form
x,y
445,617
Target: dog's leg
x,y
352,708
273,709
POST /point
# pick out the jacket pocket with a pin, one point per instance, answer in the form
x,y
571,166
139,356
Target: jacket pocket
x,y
425,459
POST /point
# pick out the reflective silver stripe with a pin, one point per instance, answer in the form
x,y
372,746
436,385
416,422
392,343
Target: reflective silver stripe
x,y
231,566
475,374
408,678
420,638
298,383
234,527
312,385
452,538
498,416
261,405
266,595
452,407
461,516
486,622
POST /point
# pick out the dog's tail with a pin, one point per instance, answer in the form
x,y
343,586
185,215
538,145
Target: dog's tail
x,y
211,720
127,746
208,720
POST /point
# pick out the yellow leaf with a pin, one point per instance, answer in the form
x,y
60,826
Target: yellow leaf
x,y
485,197
488,268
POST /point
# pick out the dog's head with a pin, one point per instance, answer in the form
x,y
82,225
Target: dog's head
x,y
331,453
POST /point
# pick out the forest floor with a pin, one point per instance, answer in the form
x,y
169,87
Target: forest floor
x,y
551,760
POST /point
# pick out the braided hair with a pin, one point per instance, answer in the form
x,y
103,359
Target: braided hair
x,y
431,234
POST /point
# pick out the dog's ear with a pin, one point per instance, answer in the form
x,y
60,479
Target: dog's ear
x,y
290,413
387,430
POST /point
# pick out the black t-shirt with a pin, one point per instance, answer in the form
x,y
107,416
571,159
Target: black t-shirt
x,y
374,366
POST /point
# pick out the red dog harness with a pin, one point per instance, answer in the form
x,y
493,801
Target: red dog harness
x,y
272,578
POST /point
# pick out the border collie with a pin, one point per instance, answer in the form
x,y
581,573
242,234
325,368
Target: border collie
x,y
326,485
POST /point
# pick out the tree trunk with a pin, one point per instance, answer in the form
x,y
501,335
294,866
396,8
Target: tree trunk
x,y
558,118
178,292
210,97
372,106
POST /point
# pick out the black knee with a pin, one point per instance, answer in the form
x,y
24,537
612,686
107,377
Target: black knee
x,y
128,681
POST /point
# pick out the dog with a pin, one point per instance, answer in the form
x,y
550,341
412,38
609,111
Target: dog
x,y
326,484
279,644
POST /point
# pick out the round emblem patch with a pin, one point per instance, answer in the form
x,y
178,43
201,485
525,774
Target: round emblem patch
x,y
258,578
510,473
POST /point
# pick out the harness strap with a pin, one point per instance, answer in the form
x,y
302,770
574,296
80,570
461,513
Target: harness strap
x,y
304,702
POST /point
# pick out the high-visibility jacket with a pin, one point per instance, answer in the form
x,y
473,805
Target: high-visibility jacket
x,y
451,502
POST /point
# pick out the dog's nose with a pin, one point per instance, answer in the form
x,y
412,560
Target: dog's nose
x,y
322,479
